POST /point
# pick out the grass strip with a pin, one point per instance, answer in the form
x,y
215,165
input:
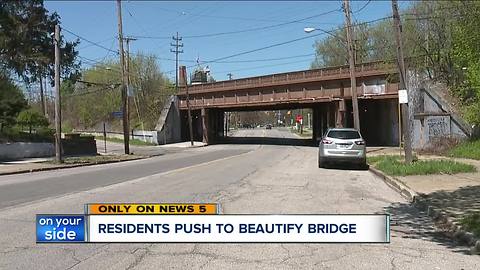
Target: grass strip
x,y
471,223
467,149
395,166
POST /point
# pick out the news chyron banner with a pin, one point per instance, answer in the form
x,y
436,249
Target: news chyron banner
x,y
202,223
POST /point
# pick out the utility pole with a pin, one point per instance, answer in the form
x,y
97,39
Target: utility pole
x,y
46,96
351,61
403,86
124,81
176,45
127,68
127,62
58,114
42,95
183,71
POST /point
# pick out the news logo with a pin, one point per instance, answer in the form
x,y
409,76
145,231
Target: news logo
x,y
60,228
203,223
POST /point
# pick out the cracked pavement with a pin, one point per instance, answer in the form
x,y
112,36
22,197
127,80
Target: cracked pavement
x,y
266,179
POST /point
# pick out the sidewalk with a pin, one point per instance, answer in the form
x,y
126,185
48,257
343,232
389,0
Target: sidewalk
x,y
36,164
144,150
115,153
25,166
445,197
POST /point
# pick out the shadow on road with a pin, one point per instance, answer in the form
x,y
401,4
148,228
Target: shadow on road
x,y
267,140
457,203
346,166
410,222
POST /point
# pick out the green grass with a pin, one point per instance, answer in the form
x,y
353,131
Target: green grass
x,y
471,223
395,166
468,149
132,141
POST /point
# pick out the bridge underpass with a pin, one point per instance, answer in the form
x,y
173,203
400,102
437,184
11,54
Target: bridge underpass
x,y
326,92
378,118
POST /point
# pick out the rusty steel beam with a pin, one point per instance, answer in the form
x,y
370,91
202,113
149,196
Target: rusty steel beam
x,y
285,88
296,77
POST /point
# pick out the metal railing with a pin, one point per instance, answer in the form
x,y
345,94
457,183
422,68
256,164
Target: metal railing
x,y
290,77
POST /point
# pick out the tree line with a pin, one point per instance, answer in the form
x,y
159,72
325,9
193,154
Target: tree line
x,y
27,57
91,101
440,41
89,96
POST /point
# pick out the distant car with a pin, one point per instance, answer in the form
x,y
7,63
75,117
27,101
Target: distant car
x,y
342,145
268,126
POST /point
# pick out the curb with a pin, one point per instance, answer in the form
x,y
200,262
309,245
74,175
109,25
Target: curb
x,y
68,166
452,230
396,184
441,218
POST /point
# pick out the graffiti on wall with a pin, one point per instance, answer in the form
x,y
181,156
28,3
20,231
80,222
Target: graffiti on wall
x,y
438,126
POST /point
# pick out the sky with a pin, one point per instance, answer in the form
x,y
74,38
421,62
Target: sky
x,y
211,31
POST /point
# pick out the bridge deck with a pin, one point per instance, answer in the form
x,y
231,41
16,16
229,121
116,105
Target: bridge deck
x,y
306,86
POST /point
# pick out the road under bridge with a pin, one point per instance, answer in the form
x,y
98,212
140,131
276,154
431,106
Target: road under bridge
x,y
326,92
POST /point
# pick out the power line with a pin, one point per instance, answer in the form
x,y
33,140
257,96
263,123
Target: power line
x,y
363,7
88,92
221,17
218,60
236,61
246,30
96,62
98,42
287,42
258,49
262,28
263,66
89,41
134,19
266,60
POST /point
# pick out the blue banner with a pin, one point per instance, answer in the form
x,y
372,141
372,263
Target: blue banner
x,y
60,228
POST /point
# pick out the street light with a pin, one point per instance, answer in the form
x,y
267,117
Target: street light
x,y
347,44
309,30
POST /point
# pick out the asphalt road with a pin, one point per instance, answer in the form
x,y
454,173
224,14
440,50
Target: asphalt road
x,y
22,188
268,179
262,132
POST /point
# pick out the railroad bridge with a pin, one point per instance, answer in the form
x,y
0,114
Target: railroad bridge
x,y
326,91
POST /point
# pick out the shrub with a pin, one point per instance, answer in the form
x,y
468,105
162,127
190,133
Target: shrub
x,y
32,119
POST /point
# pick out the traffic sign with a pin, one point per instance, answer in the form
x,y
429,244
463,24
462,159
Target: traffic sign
x,y
299,118
402,96
118,114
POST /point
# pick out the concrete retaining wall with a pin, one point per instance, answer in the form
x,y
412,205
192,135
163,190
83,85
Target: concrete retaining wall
x,y
432,119
169,123
143,135
20,150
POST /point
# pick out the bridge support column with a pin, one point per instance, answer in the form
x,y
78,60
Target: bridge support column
x,y
212,125
340,113
318,123
204,125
